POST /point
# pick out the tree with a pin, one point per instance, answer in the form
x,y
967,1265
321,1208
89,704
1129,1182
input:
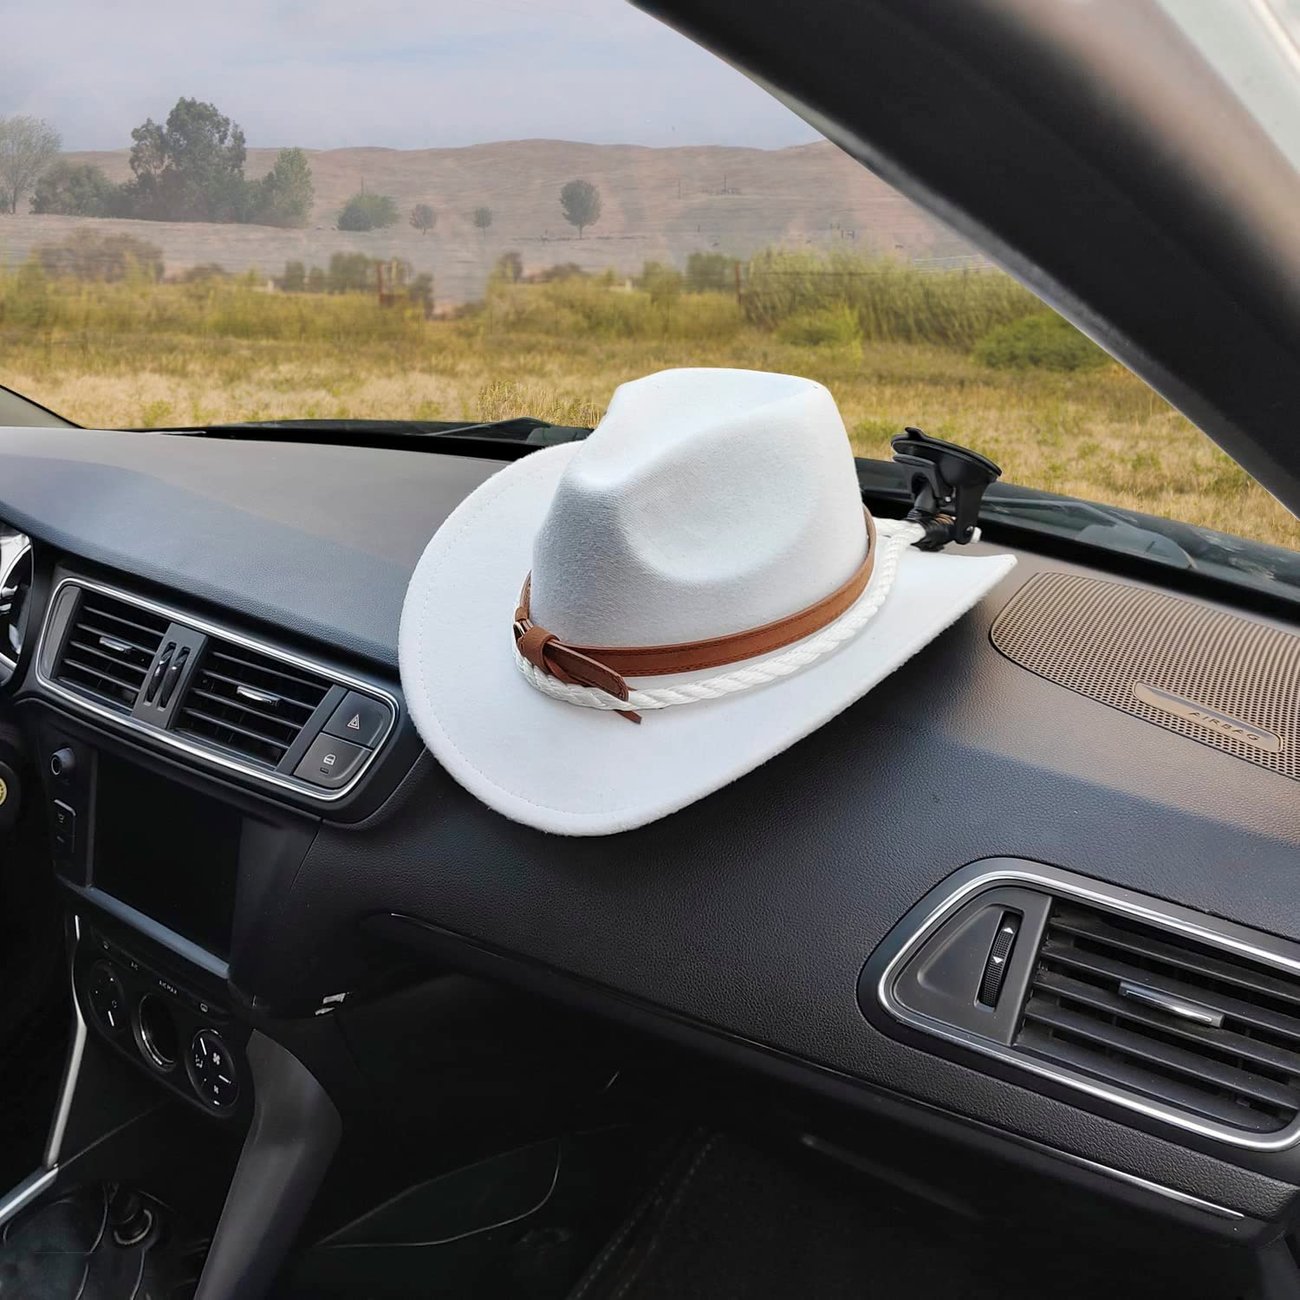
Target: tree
x,y
420,292
191,169
75,190
368,212
283,197
482,220
423,218
294,279
580,202
27,147
509,267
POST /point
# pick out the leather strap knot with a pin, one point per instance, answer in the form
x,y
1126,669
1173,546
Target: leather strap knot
x,y
546,651
607,667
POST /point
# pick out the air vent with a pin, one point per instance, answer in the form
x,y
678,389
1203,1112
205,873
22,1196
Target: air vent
x,y
108,648
248,702
1150,1012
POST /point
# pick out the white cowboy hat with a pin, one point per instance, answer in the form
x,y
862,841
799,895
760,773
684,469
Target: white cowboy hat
x,y
711,525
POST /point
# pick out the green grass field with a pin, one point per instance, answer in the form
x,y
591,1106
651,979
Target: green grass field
x,y
136,353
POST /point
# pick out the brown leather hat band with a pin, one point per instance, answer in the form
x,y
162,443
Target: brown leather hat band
x,y
607,667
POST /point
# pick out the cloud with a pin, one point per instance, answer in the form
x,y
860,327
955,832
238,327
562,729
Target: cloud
x,y
330,73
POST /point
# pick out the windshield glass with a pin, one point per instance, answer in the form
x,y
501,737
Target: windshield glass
x,y
475,212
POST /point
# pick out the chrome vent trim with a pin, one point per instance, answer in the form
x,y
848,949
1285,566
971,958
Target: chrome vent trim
x,y
108,647
208,754
1223,937
15,556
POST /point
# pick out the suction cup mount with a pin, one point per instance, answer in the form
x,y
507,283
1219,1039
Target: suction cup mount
x,y
948,483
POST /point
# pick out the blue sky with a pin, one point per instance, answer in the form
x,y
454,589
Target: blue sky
x,y
329,73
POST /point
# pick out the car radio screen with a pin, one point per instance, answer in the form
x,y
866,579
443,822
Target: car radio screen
x,y
166,851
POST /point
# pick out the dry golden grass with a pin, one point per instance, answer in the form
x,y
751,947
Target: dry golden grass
x,y
1099,434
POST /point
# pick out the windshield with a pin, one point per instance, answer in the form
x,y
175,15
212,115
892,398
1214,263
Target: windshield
x,y
478,212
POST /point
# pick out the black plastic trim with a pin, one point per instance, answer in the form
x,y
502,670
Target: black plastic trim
x,y
290,1145
1258,1201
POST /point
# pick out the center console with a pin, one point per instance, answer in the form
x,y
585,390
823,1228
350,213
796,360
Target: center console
x,y
163,867
184,768
152,864
181,1031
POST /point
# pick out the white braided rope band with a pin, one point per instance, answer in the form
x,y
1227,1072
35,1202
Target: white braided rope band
x,y
893,536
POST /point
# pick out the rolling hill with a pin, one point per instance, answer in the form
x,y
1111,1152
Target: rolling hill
x,y
657,204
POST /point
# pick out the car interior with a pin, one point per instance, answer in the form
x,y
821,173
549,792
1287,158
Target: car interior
x,y
990,986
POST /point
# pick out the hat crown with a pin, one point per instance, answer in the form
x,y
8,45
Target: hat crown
x,y
706,502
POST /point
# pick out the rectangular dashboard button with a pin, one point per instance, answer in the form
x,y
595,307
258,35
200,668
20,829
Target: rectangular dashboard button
x,y
359,719
330,762
65,829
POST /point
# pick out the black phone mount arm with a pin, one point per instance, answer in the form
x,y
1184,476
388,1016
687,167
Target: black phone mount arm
x,y
947,482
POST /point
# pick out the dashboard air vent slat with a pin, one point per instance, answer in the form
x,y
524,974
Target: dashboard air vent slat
x,y
1154,1050
1132,1078
248,702
108,649
1165,1016
1125,1009
1203,964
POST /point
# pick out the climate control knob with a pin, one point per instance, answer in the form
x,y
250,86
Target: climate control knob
x,y
107,1000
212,1070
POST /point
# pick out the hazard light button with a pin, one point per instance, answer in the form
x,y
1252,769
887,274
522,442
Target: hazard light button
x,y
359,719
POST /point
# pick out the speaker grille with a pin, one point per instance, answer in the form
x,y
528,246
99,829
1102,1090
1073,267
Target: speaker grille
x,y
1211,676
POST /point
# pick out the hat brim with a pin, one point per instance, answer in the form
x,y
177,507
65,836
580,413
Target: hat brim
x,y
577,771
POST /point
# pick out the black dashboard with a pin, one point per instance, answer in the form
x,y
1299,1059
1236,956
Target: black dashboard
x,y
744,926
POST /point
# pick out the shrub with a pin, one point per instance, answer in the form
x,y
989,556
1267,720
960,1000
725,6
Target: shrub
x,y
294,279
560,271
203,271
26,300
1044,340
350,273
662,283
710,273
893,301
87,255
587,308
835,326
